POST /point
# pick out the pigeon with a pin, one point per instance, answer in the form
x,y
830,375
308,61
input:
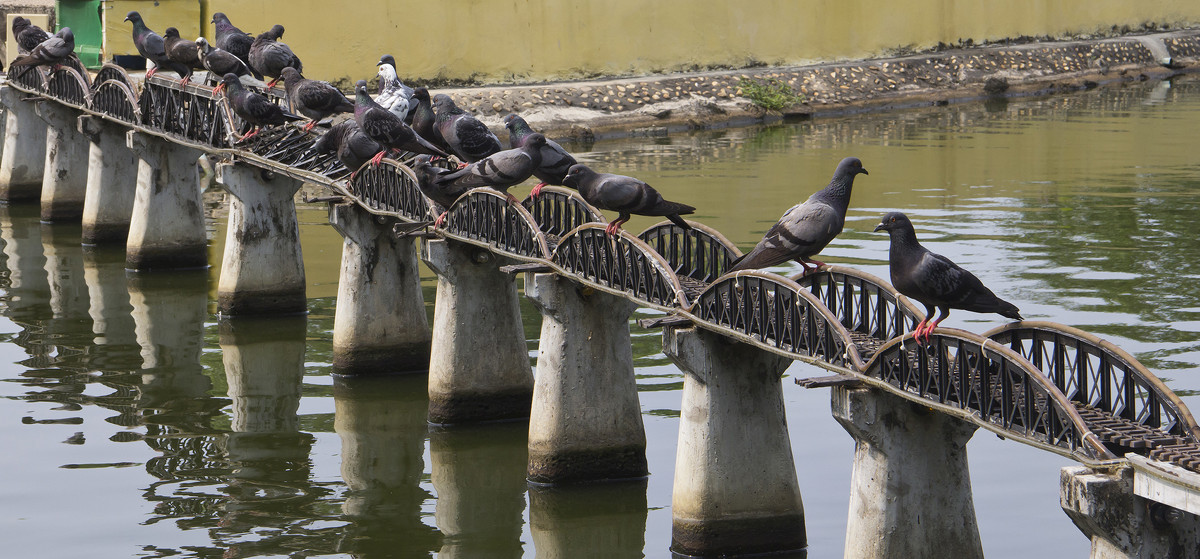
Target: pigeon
x,y
555,160
501,170
150,45
933,280
28,35
348,142
622,194
393,94
433,184
233,40
423,119
269,57
386,128
50,52
806,228
253,107
181,51
467,138
219,61
313,99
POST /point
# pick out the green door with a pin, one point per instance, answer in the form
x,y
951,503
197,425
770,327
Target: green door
x,y
83,17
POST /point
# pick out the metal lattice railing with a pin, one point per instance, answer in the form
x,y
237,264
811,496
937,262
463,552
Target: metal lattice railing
x,y
1094,373
114,98
621,263
763,307
391,187
864,304
69,86
558,210
485,216
112,72
702,254
974,374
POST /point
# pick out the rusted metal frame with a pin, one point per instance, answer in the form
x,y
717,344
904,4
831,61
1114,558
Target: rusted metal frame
x,y
68,86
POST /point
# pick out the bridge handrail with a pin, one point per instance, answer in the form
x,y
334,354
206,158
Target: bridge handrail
x,y
111,71
1161,409
390,187
619,263
69,86
557,210
1008,403
702,254
485,217
841,289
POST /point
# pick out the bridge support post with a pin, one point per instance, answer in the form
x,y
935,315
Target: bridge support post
x,y
586,420
166,228
381,325
910,490
478,363
23,158
736,490
262,271
64,182
111,182
1122,525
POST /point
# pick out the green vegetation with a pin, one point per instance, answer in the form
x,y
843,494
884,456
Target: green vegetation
x,y
771,94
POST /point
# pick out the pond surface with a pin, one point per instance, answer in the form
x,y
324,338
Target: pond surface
x,y
135,423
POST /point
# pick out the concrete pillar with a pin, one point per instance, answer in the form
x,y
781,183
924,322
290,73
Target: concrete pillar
x,y
381,325
169,310
910,489
111,182
478,473
166,228
1120,524
262,271
64,182
594,521
586,420
23,157
478,363
381,421
736,490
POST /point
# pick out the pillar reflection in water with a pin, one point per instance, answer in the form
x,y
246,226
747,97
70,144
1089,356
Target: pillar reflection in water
x,y
113,326
269,457
604,520
479,476
169,309
27,289
382,424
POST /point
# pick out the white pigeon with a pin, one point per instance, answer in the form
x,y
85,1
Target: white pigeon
x,y
394,96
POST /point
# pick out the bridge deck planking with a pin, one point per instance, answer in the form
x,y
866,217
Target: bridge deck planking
x,y
842,307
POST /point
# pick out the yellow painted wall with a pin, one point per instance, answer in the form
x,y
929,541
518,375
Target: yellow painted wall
x,y
564,39
183,15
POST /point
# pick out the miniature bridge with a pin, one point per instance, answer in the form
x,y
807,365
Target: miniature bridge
x,y
1044,384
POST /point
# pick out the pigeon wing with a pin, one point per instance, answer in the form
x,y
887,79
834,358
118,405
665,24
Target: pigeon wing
x,y
803,231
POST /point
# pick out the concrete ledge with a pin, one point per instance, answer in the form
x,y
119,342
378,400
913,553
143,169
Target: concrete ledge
x,y
712,538
1165,483
173,257
362,359
565,466
468,408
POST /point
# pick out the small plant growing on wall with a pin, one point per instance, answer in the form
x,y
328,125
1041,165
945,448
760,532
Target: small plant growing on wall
x,y
771,94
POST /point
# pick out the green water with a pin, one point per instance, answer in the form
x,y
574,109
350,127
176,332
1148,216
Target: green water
x,y
137,424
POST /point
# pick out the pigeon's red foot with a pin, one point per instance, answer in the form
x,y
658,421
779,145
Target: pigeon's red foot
x,y
249,135
440,219
537,188
150,72
917,332
463,165
375,161
219,88
272,84
183,82
308,127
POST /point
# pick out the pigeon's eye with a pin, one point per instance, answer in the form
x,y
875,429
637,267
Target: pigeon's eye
x,y
893,220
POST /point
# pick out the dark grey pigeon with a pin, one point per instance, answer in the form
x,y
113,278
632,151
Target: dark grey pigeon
x,y
348,142
252,107
468,138
50,52
313,99
423,119
220,62
555,160
386,128
625,195
269,57
501,170
182,51
151,45
28,35
233,40
933,280
806,228
434,185
393,94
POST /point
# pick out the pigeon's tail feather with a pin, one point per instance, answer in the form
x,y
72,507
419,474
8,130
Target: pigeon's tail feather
x,y
679,221
760,257
668,208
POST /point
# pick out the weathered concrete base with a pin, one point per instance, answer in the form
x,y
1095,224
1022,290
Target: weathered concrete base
x,y
1121,525
586,420
166,228
736,490
910,491
381,325
111,183
478,364
64,183
24,154
478,472
588,521
263,269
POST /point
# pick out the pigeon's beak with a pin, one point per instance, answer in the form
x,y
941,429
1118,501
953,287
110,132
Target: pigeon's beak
x,y
126,18
864,171
880,227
